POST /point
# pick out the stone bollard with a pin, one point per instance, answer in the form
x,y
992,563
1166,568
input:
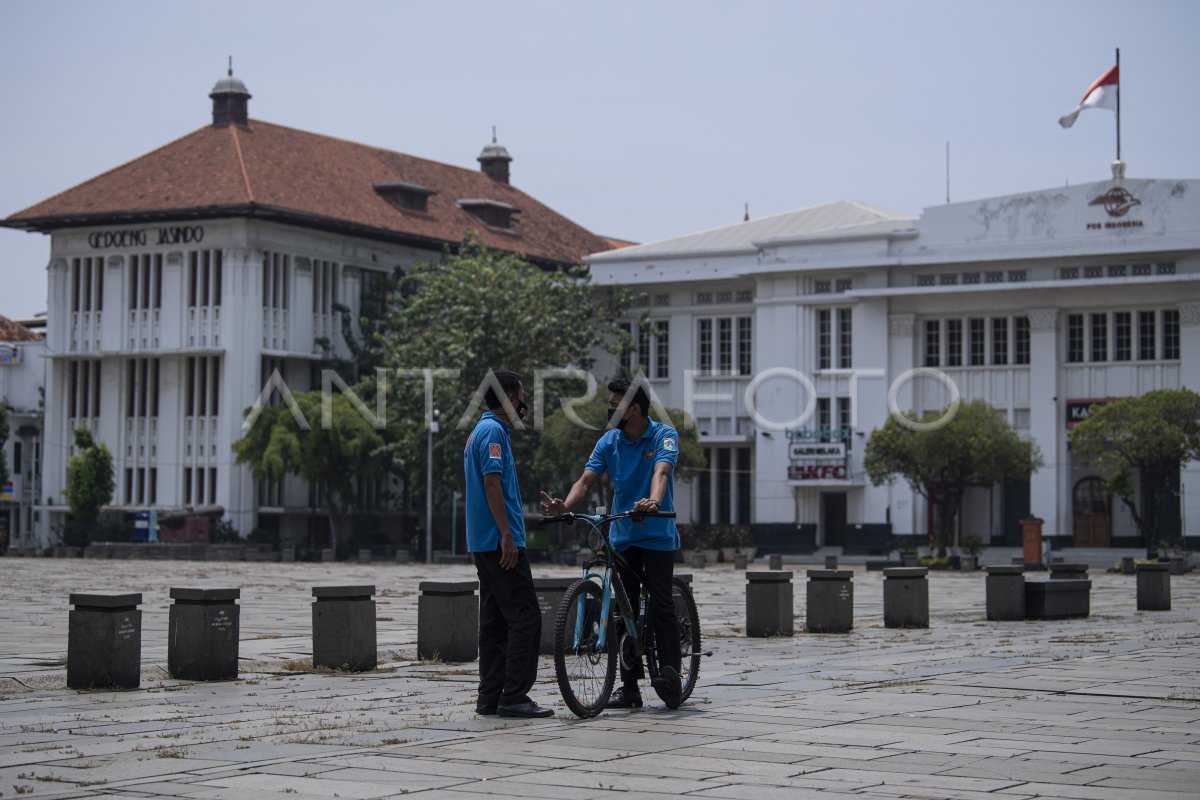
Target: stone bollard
x,y
906,597
1061,571
448,620
769,604
698,560
1154,587
326,555
830,598
1127,567
343,622
104,641
202,634
364,556
403,556
776,562
549,595
1005,590
740,560
288,555
831,562
1057,599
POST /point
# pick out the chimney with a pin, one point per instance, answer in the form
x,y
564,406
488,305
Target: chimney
x,y
231,100
494,161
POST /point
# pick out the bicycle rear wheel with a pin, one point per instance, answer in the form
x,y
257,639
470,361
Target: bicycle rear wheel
x,y
585,670
689,635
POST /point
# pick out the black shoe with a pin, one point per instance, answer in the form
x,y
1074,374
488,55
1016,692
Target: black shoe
x,y
485,711
669,687
528,709
624,698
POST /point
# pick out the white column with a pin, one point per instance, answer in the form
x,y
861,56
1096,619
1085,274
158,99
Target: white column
x,y
901,353
1189,365
115,316
241,312
1046,424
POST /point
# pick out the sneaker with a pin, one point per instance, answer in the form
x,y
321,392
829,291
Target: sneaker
x,y
669,687
625,698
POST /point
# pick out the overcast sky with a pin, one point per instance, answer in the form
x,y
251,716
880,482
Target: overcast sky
x,y
640,120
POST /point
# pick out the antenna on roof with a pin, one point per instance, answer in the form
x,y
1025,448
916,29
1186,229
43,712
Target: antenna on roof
x,y
231,66
493,134
947,172
746,218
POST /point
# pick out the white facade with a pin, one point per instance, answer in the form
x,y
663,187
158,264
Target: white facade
x,y
22,370
160,349
1036,303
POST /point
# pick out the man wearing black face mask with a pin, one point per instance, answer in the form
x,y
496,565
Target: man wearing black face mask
x,y
640,454
510,621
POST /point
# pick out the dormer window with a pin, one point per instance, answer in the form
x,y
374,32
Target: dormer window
x,y
492,213
406,196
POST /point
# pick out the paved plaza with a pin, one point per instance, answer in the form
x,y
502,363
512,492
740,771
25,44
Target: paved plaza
x,y
1102,707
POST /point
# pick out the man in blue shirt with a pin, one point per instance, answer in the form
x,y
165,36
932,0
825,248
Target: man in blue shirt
x,y
510,621
640,455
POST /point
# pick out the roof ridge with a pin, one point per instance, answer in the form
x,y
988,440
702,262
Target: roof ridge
x,y
385,151
237,145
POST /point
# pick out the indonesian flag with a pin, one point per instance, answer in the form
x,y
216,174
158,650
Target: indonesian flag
x,y
1101,94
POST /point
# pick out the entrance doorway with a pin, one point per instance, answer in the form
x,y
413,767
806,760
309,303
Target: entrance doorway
x,y
833,518
1092,514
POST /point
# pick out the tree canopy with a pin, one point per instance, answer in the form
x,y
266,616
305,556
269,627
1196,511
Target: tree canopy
x,y
976,447
90,485
337,452
1141,441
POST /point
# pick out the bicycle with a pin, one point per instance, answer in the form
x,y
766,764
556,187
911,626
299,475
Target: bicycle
x,y
585,657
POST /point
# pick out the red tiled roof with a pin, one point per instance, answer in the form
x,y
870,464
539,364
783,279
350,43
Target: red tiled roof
x,y
268,169
15,332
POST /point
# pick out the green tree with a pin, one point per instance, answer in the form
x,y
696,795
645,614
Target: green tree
x,y
1141,441
472,311
90,486
336,454
565,445
976,447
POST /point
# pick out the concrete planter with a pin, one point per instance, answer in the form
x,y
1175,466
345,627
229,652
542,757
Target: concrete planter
x,y
1005,589
830,596
906,597
1057,599
968,563
1153,587
769,604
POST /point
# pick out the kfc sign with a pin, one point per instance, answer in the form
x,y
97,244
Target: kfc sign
x,y
817,472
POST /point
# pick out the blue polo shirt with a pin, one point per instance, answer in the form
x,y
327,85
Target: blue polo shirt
x,y
631,465
489,451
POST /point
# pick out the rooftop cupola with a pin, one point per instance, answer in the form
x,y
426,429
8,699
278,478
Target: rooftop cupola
x,y
494,160
231,100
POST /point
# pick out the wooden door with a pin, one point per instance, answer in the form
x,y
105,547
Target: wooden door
x,y
1092,514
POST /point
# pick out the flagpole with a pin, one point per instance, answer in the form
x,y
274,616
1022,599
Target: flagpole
x,y
1118,104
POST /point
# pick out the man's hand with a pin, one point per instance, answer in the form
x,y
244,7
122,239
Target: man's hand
x,y
552,506
646,506
508,551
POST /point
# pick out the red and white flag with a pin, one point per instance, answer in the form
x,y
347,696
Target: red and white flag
x,y
1101,94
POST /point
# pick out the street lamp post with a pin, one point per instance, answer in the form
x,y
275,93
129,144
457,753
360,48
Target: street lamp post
x,y
433,428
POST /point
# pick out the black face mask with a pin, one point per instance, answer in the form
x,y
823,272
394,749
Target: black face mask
x,y
620,423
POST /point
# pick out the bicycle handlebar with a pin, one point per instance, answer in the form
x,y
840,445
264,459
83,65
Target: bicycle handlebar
x,y
597,519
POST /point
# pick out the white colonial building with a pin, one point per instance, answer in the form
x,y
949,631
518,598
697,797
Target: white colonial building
x,y
22,370
181,281
1041,303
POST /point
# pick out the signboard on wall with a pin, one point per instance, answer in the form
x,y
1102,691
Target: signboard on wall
x,y
1078,410
817,472
817,451
10,354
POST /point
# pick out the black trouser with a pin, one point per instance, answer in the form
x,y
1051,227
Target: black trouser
x,y
510,630
658,566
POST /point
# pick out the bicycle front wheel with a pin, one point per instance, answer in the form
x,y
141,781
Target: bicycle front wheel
x,y
689,635
585,670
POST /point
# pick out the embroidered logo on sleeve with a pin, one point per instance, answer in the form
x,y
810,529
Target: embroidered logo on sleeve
x,y
493,451
668,445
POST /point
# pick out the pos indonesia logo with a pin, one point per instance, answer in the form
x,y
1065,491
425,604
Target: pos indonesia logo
x,y
1116,201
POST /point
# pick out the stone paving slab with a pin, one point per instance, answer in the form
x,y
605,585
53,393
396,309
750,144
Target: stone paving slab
x,y
1100,707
